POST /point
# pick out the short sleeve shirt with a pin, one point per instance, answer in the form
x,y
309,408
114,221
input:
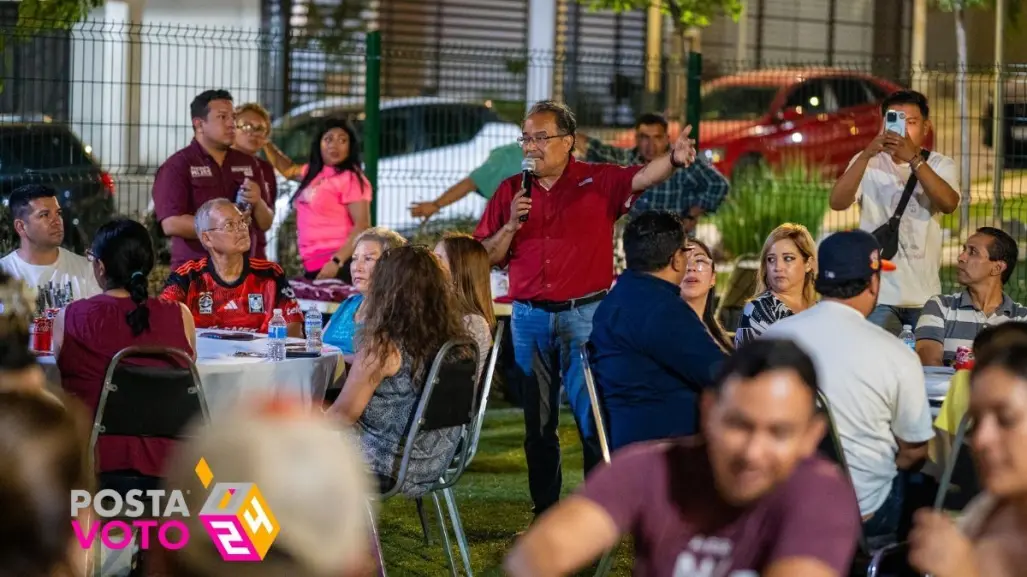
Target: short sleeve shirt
x,y
246,304
918,261
954,321
502,163
875,386
565,249
757,316
191,177
663,494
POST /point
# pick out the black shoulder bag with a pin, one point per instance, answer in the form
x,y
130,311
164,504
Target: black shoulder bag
x,y
887,234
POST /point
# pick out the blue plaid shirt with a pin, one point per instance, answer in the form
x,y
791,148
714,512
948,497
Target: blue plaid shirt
x,y
698,185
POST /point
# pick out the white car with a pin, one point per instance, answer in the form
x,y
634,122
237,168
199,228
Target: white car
x,y
427,145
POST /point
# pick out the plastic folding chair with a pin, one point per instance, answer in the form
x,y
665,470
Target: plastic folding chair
x,y
959,473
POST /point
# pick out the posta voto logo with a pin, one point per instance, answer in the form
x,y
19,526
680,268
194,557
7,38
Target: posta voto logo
x,y
235,516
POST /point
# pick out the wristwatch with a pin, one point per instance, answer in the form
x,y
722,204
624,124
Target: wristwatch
x,y
916,163
336,260
674,162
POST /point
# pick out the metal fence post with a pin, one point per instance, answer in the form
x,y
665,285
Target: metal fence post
x,y
372,116
692,101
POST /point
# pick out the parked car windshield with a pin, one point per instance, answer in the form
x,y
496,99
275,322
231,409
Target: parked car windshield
x,y
40,147
738,102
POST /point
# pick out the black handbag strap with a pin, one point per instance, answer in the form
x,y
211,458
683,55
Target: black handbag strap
x,y
907,193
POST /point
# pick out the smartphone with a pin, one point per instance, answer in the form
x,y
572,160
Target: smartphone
x,y
229,336
895,121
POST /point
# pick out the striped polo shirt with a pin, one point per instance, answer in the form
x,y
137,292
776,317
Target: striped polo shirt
x,y
954,321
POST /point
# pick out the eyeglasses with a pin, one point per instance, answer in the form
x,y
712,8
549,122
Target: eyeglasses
x,y
700,264
259,129
233,227
539,140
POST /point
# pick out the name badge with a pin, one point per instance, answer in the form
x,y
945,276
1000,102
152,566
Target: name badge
x,y
246,170
206,304
200,171
256,303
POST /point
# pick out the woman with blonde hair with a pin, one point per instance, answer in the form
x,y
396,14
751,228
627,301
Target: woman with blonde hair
x,y
784,283
467,262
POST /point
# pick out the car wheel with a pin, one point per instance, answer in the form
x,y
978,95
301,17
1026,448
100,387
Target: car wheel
x,y
747,166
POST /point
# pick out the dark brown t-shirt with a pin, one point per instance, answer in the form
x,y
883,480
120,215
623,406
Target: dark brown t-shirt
x,y
191,177
663,494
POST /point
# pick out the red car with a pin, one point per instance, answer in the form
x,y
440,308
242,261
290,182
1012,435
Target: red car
x,y
820,116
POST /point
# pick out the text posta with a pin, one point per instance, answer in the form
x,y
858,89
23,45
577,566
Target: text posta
x,y
140,512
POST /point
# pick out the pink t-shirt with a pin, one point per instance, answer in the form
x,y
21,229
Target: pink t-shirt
x,y
323,222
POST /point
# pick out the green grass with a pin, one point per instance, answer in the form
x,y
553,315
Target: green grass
x,y
1016,288
493,500
1012,209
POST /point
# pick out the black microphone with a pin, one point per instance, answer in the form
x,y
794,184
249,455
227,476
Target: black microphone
x,y
527,170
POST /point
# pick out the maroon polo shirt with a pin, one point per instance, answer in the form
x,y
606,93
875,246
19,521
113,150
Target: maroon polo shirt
x,y
191,177
565,250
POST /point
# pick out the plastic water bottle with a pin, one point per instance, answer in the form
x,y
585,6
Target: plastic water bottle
x,y
907,337
312,326
276,337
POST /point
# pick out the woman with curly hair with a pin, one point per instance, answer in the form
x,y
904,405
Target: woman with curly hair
x,y
410,314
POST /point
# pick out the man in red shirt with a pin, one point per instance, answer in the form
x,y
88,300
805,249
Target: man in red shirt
x,y
208,168
560,262
750,498
228,289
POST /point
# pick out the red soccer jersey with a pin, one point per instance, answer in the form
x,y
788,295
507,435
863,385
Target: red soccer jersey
x,y
246,304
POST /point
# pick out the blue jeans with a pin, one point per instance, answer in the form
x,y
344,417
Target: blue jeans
x,y
882,528
546,350
892,318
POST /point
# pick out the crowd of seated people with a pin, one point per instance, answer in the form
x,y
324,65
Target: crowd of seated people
x,y
715,436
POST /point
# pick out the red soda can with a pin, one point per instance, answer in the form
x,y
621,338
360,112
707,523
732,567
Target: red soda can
x,y
964,359
41,334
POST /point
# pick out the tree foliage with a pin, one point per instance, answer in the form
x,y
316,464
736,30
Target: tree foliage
x,y
1013,7
684,13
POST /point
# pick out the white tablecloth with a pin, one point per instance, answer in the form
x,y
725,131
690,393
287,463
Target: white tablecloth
x,y
228,379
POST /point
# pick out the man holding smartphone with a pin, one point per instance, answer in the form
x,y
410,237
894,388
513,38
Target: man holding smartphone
x,y
876,179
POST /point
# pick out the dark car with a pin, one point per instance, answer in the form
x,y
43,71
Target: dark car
x,y
49,153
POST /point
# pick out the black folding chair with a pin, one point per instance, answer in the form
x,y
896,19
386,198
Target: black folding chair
x,y
468,448
447,400
148,401
606,561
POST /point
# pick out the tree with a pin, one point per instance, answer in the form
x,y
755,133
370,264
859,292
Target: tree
x,y
959,8
683,13
35,16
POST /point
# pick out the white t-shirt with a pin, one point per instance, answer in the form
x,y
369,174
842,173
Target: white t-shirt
x,y
875,386
69,267
918,261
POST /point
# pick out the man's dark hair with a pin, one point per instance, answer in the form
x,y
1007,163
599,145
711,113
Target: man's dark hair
x,y
652,239
200,106
1004,335
842,290
565,121
765,355
652,118
906,97
1003,248
18,203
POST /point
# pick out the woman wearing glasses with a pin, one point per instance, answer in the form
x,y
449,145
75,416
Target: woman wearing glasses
x,y
697,290
252,128
333,202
